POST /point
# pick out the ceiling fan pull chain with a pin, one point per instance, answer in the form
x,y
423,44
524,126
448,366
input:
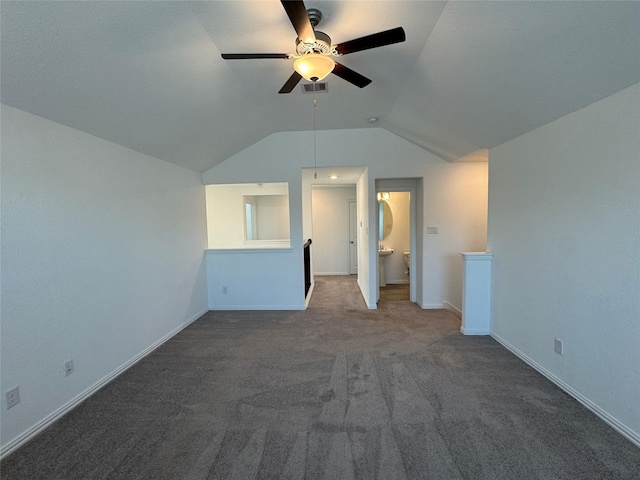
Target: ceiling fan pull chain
x,y
315,159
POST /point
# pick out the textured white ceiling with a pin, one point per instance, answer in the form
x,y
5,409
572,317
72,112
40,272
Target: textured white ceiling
x,y
471,75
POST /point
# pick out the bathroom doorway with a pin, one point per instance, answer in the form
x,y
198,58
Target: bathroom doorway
x,y
397,239
394,236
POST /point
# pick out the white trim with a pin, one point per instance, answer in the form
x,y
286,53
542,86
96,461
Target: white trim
x,y
628,433
248,249
480,256
370,305
74,402
308,297
471,331
455,310
410,185
268,244
355,202
432,306
326,274
398,281
256,307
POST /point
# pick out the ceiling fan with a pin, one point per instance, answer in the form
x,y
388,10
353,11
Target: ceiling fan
x,y
314,49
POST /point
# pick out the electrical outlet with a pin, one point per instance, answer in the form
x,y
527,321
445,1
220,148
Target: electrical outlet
x,y
68,368
558,346
432,229
13,397
224,290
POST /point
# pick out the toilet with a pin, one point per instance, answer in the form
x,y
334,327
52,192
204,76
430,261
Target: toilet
x,y
406,257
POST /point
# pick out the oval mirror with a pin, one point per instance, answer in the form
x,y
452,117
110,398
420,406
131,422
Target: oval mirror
x,y
385,220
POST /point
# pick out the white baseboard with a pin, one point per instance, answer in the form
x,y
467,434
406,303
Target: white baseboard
x,y
74,402
471,331
455,310
256,307
431,306
370,305
326,274
398,281
628,433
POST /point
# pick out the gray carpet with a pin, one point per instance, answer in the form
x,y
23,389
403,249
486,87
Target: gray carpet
x,y
334,392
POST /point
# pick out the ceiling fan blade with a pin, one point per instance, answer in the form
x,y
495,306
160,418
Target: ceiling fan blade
x,y
297,13
350,76
245,56
291,83
380,39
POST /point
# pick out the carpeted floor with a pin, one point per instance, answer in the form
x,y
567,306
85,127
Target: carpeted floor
x,y
334,392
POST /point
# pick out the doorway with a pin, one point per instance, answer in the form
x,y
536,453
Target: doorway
x,y
399,199
334,213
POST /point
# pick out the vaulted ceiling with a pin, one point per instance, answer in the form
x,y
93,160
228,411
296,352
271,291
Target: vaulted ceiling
x,y
470,76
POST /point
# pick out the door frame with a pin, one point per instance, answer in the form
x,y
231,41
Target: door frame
x,y
353,236
411,186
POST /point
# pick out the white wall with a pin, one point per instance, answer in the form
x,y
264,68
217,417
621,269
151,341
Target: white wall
x,y
307,227
456,202
281,156
273,217
564,223
330,211
258,279
102,258
365,274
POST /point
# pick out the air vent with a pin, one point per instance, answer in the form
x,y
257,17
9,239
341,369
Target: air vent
x,y
318,87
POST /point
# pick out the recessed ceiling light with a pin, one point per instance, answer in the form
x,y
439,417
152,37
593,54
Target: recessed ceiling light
x,y
372,120
333,177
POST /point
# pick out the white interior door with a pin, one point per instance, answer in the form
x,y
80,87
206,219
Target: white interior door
x,y
353,237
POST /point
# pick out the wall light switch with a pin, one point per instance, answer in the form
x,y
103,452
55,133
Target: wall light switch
x,y
68,368
12,397
558,346
432,229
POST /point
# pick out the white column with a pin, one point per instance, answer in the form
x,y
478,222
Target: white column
x,y
476,293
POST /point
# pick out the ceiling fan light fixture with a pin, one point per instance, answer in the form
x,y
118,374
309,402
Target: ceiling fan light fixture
x,y
314,66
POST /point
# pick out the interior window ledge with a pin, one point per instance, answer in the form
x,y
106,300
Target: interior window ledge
x,y
248,249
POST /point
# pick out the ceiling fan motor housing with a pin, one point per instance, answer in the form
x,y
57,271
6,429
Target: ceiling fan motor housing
x,y
322,45
315,16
